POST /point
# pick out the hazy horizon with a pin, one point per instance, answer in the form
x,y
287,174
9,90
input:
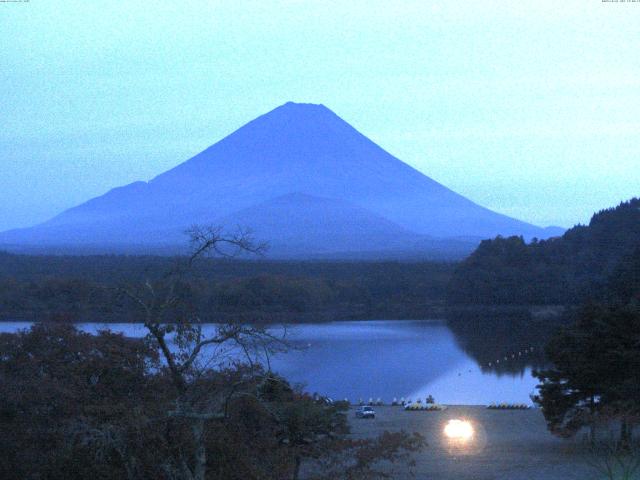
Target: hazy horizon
x,y
529,110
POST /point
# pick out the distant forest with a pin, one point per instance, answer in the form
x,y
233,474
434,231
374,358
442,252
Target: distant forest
x,y
585,264
84,288
582,265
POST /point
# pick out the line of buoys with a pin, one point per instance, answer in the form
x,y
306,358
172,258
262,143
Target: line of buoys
x,y
513,356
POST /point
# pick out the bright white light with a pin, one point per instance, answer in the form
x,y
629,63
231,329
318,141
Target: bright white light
x,y
458,430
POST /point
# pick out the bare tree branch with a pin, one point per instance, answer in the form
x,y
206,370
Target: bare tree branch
x,y
161,300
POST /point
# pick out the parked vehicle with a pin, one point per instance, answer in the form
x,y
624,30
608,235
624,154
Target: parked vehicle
x,y
365,411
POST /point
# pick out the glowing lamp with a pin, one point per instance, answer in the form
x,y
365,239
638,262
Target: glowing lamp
x,y
458,430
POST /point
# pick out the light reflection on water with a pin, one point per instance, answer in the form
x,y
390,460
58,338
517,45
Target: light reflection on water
x,y
386,359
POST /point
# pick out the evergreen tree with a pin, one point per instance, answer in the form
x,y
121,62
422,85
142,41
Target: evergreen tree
x,y
596,371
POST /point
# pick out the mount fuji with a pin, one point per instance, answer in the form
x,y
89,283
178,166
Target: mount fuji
x,y
300,178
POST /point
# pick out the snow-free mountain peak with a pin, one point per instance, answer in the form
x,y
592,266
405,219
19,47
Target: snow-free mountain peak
x,y
297,148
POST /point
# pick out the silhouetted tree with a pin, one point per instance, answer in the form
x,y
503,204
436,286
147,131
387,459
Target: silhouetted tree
x,y
595,373
74,405
167,313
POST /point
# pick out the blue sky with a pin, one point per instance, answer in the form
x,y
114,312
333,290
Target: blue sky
x,y
527,107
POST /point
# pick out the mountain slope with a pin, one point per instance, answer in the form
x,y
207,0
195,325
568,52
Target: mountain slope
x,y
564,270
301,148
304,225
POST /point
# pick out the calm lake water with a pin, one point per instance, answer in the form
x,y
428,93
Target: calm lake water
x,y
386,359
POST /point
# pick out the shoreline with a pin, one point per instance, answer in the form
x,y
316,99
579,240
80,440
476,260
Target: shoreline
x,y
436,312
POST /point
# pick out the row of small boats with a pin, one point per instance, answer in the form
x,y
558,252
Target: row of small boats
x,y
394,403
509,406
427,407
430,405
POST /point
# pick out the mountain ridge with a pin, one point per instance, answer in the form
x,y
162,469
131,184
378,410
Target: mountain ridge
x,y
304,148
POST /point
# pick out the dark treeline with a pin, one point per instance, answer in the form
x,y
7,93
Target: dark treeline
x,y
77,288
594,373
566,270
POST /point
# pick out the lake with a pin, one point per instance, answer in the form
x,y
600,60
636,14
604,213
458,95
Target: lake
x,y
399,358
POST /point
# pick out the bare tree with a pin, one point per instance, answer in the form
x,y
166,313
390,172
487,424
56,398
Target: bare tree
x,y
189,352
613,459
612,448
215,370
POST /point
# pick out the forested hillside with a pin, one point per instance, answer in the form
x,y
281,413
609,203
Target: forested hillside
x,y
75,288
570,269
